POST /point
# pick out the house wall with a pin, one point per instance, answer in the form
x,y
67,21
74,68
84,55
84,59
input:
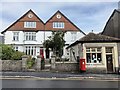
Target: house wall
x,y
40,36
1,38
119,54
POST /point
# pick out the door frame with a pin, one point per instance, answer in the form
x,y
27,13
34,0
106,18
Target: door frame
x,y
112,69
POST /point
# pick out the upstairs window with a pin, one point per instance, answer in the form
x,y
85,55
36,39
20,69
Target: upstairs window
x,y
29,24
15,36
73,36
58,24
30,36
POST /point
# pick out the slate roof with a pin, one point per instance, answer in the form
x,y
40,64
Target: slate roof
x,y
95,38
116,10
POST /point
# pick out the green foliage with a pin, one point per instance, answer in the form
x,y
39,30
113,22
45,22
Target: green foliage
x,y
8,53
56,42
17,55
30,62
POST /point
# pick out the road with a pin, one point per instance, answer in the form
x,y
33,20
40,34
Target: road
x,y
34,83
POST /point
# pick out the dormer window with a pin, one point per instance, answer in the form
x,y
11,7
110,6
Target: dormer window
x,y
29,24
58,24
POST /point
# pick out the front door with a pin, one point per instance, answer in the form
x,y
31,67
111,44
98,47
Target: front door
x,y
109,63
41,52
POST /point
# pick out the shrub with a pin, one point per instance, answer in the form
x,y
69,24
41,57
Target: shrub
x,y
30,62
7,52
17,55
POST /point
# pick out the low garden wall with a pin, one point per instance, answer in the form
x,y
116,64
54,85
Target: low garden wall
x,y
11,65
66,67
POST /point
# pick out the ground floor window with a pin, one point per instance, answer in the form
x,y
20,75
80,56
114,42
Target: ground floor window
x,y
30,50
16,48
93,55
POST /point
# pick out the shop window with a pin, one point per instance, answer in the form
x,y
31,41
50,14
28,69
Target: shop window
x,y
93,55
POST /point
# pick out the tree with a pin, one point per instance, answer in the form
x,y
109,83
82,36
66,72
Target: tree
x,y
56,42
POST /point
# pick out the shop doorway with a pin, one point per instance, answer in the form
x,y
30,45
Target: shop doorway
x,y
109,61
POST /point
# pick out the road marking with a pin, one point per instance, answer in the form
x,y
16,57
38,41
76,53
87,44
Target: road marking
x,y
38,78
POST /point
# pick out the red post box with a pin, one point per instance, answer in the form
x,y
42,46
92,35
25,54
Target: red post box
x,y
82,65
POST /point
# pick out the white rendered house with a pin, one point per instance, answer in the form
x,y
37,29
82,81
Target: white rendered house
x,y
29,32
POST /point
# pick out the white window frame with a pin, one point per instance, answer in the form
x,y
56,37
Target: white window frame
x,y
15,36
16,48
30,50
30,36
29,24
58,25
94,52
73,36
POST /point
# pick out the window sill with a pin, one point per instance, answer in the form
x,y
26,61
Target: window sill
x,y
15,40
29,40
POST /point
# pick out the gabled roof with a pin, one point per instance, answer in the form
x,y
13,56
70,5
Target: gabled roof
x,y
66,19
116,10
21,18
95,38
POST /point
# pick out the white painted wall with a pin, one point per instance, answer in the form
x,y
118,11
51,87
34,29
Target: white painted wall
x,y
68,37
40,36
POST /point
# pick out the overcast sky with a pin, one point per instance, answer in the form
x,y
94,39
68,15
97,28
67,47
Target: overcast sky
x,y
86,15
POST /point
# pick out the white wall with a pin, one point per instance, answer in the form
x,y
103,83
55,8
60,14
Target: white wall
x,y
68,37
40,36
9,37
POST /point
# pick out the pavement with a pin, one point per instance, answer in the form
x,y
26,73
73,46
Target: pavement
x,y
58,76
